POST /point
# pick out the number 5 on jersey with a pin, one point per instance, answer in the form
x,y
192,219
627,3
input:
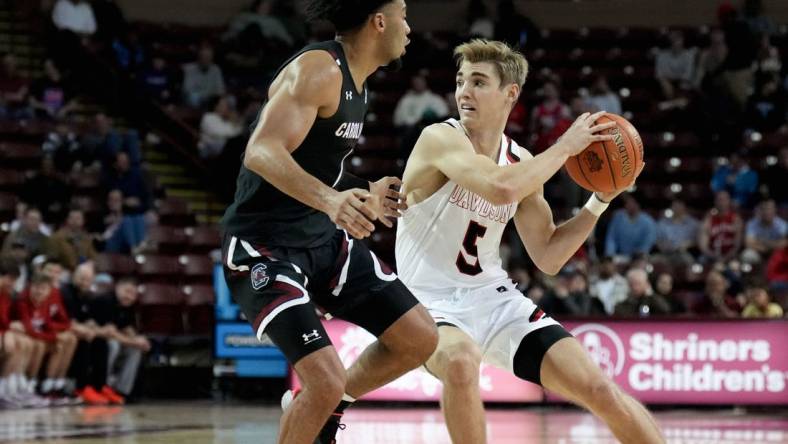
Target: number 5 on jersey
x,y
472,235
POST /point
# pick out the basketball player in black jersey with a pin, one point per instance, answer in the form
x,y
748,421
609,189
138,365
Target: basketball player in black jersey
x,y
291,237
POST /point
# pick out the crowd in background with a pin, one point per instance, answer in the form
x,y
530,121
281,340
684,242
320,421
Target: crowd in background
x,y
70,336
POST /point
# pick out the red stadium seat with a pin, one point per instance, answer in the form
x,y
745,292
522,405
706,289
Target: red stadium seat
x,y
174,212
11,180
196,268
202,239
199,310
161,308
115,264
167,239
160,268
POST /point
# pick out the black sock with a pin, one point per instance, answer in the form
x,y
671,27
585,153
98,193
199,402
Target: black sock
x,y
342,406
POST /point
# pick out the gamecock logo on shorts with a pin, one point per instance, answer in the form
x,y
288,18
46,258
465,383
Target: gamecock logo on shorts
x,y
592,159
259,276
603,345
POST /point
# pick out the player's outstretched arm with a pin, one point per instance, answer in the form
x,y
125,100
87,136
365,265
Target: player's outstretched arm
x,y
449,151
548,245
309,86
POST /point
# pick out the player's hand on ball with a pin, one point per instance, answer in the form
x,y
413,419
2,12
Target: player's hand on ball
x,y
351,210
386,200
583,132
608,197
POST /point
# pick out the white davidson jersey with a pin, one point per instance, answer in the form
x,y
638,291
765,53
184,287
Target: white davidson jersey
x,y
451,239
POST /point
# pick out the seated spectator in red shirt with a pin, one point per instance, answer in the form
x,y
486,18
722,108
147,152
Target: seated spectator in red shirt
x,y
550,115
44,318
721,232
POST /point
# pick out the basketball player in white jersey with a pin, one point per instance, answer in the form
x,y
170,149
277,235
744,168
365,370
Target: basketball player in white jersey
x,y
464,181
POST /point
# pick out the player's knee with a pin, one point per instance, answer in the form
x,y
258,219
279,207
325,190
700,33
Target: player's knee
x,y
460,366
602,395
326,384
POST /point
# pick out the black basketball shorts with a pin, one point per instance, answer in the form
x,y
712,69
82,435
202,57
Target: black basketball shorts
x,y
281,289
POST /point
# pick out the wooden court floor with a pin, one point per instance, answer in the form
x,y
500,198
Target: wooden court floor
x,y
204,422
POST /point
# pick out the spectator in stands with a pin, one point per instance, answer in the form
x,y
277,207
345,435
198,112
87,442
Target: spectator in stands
x,y
767,63
124,231
630,231
664,289
760,304
28,235
48,190
578,300
756,19
202,80
20,210
43,317
602,98
75,16
721,232
480,23
89,365
677,233
641,300
737,69
115,311
514,28
258,19
104,141
63,146
71,244
217,127
766,108
50,96
14,91
521,277
674,67
15,347
419,105
717,301
548,114
157,81
710,63
129,51
128,178
765,233
774,179
777,267
737,179
608,285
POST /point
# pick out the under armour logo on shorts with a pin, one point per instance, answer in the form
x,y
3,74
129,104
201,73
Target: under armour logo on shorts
x,y
311,337
348,95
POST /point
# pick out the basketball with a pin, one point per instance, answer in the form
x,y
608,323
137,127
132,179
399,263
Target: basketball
x,y
609,165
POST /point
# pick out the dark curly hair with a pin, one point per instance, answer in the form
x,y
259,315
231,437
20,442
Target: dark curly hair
x,y
345,15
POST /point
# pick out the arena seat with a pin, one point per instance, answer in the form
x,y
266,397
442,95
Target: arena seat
x,y
158,268
11,180
167,239
174,212
199,309
115,264
196,268
202,238
160,309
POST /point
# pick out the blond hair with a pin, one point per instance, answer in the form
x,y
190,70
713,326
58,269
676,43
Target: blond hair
x,y
509,63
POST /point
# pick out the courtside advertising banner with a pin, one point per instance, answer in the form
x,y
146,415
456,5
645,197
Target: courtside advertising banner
x,y
418,385
692,362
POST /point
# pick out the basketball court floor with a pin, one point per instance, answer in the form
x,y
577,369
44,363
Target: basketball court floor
x,y
204,422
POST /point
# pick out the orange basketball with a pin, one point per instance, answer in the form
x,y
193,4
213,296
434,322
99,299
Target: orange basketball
x,y
610,165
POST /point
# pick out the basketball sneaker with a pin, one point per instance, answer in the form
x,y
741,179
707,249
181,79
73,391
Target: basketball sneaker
x,y
328,434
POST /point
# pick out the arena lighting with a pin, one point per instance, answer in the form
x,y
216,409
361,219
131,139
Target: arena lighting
x,y
756,136
372,117
629,70
675,162
582,92
575,210
668,213
355,161
697,268
667,136
140,259
771,160
675,188
187,289
628,115
183,259
583,32
586,70
625,92
545,71
703,29
746,268
722,160
5,226
649,268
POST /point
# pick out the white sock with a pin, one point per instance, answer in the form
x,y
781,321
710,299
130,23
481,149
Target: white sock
x,y
348,398
31,385
4,387
47,386
14,383
60,383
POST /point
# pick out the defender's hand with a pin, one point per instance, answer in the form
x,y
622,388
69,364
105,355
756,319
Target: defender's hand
x,y
349,210
387,201
583,132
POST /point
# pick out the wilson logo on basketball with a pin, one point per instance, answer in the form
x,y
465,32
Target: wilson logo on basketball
x,y
593,161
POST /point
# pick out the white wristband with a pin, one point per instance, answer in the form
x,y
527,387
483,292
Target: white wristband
x,y
595,205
